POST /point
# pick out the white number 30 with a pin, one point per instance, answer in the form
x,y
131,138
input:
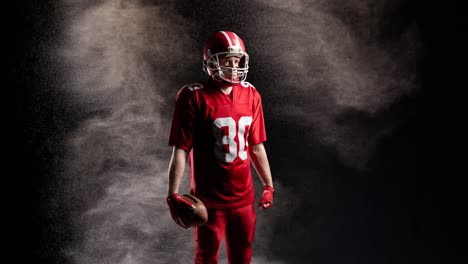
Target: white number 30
x,y
222,139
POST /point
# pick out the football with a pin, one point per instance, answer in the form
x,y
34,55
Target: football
x,y
197,215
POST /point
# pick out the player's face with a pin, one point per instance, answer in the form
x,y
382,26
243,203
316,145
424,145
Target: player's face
x,y
231,62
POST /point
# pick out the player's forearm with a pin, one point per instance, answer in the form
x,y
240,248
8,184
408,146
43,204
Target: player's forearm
x,y
261,164
176,169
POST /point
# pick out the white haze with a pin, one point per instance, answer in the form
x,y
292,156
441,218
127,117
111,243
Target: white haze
x,y
120,59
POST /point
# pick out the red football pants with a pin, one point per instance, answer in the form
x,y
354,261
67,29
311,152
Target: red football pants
x,y
238,228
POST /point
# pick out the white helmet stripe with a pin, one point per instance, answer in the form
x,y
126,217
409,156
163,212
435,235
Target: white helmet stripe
x,y
228,38
237,40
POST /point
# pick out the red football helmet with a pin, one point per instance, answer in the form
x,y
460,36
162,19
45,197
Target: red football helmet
x,y
225,44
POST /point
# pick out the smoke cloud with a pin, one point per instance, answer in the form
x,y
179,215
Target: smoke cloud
x,y
327,79
332,81
118,54
334,68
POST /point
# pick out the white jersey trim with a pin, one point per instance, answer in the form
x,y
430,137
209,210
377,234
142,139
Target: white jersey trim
x,y
194,86
247,85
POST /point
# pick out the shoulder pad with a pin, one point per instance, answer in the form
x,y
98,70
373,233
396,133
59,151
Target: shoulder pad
x,y
246,85
187,91
194,86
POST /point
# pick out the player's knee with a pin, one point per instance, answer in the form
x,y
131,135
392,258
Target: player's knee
x,y
207,251
240,256
201,258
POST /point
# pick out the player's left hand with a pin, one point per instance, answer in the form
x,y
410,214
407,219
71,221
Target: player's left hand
x,y
267,197
177,207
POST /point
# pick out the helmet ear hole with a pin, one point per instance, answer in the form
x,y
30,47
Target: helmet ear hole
x,y
212,65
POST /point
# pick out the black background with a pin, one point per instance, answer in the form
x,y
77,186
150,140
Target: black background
x,y
430,226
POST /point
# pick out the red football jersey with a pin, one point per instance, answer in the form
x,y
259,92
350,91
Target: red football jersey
x,y
217,129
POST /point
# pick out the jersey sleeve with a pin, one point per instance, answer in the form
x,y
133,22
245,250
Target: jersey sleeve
x,y
257,129
183,120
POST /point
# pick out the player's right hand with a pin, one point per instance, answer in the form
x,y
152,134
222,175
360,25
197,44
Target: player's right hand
x,y
178,206
267,197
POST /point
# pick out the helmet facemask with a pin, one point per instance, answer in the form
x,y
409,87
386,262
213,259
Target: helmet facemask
x,y
237,74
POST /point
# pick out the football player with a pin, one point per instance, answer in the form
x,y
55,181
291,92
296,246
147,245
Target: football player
x,y
218,125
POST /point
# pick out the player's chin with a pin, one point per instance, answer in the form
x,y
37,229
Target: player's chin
x,y
233,79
